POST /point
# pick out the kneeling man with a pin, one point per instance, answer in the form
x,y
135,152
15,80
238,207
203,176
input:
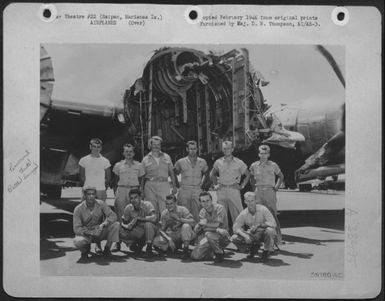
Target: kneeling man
x,y
212,222
138,223
176,228
94,221
252,226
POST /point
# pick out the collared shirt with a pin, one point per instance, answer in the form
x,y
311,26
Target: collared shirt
x,y
217,215
145,209
95,171
262,215
230,172
180,211
264,174
153,169
128,173
85,218
191,175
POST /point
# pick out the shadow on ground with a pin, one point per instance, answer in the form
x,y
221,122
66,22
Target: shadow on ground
x,y
59,225
332,219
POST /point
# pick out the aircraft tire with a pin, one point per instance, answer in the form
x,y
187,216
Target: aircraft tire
x,y
53,191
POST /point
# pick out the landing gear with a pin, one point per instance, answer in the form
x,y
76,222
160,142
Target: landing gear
x,y
304,187
52,191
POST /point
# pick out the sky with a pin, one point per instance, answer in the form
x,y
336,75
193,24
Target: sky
x,y
100,73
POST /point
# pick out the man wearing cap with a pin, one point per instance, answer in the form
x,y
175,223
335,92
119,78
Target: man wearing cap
x,y
193,171
254,225
157,167
95,170
94,221
226,176
211,230
138,223
263,180
128,175
176,228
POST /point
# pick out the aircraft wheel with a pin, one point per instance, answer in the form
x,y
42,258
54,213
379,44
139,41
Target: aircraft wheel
x,y
304,187
53,191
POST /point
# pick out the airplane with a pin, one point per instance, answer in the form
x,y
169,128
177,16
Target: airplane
x,y
322,122
183,94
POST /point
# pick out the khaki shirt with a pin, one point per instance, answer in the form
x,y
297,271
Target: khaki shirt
x,y
145,209
152,169
245,218
218,215
86,219
191,175
181,212
264,175
128,173
230,172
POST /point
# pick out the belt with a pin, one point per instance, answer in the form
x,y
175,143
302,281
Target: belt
x,y
233,186
259,188
191,186
157,179
129,186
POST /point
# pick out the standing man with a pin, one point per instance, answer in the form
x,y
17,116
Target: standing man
x,y
138,224
263,180
226,177
157,167
176,228
193,170
254,225
94,221
215,236
95,170
128,173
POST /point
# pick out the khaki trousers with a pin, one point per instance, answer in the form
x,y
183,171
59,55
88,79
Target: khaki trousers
x,y
267,236
230,199
156,192
209,244
182,235
142,231
189,198
109,233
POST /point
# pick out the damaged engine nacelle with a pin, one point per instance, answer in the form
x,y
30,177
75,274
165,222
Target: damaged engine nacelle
x,y
185,94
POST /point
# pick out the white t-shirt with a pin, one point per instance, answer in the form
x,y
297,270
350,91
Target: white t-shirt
x,y
95,171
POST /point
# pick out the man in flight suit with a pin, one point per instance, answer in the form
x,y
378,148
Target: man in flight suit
x,y
94,221
128,174
263,180
193,171
176,228
211,230
252,226
138,225
157,167
226,177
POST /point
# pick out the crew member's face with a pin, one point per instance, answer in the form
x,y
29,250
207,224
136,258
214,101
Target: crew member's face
x,y
251,202
90,197
206,202
128,152
156,145
227,150
95,148
170,205
135,200
263,155
192,150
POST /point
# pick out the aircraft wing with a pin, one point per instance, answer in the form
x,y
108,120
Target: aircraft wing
x,y
66,129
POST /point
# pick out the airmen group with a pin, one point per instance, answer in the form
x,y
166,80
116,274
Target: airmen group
x,y
149,213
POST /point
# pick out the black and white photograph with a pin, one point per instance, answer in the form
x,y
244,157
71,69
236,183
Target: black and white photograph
x,y
261,128
192,151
